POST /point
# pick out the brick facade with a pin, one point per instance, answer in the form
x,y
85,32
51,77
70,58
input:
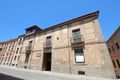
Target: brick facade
x,y
114,49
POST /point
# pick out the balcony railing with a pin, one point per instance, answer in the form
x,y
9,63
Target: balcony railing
x,y
47,44
28,48
47,50
77,39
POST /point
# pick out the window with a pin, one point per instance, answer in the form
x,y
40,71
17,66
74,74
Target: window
x,y
30,45
81,72
112,48
118,63
48,40
15,58
76,35
117,45
79,55
0,49
109,50
33,30
17,50
114,63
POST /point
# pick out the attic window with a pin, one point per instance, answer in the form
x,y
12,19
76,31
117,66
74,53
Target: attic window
x,y
33,30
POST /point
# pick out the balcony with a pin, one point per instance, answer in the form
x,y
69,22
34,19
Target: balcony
x,y
47,50
77,39
28,48
47,45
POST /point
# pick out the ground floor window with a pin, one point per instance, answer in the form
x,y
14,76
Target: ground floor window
x,y
81,72
117,74
79,55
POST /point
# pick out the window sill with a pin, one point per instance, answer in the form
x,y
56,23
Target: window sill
x,y
80,64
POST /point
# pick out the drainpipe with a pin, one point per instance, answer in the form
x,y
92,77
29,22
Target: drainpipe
x,y
19,61
32,52
69,50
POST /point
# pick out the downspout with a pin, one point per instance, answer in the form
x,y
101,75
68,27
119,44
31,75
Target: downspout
x,y
20,52
32,52
69,50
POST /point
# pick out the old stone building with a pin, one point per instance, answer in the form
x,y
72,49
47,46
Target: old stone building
x,y
113,44
73,47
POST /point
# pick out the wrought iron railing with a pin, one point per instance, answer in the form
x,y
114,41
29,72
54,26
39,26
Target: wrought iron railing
x,y
77,39
47,44
28,48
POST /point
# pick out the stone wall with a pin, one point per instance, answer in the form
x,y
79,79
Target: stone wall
x,y
97,60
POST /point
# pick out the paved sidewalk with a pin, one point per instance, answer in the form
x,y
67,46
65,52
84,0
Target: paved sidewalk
x,y
42,75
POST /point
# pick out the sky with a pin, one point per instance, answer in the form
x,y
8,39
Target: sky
x,y
16,15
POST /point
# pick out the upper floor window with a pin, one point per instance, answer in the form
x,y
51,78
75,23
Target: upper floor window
x,y
76,33
79,55
33,30
76,37
48,39
117,45
17,50
109,50
112,48
15,58
0,49
118,63
28,32
114,63
30,45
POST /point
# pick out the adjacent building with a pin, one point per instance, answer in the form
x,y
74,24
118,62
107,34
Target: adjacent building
x,y
10,51
76,46
113,44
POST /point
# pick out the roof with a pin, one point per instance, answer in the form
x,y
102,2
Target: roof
x,y
74,20
34,26
93,14
117,30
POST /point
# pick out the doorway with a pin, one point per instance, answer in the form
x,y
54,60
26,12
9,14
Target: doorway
x,y
46,62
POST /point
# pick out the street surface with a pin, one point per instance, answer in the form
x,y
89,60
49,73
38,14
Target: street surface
x,y
6,77
25,74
